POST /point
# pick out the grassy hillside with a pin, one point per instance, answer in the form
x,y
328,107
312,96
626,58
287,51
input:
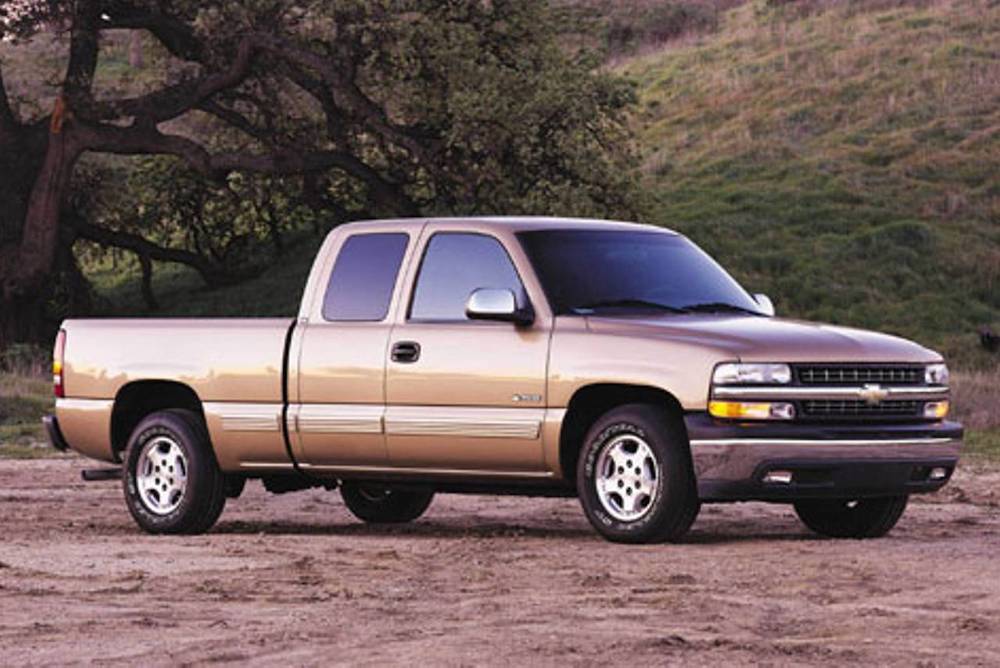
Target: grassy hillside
x,y
846,162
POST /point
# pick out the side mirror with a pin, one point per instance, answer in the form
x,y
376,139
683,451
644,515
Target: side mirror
x,y
765,303
497,304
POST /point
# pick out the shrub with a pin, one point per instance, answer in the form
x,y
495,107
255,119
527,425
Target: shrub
x,y
23,359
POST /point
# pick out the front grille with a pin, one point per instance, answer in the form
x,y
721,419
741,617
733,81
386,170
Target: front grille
x,y
838,374
847,408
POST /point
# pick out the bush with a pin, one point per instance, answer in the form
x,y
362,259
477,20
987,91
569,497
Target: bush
x,y
633,27
24,359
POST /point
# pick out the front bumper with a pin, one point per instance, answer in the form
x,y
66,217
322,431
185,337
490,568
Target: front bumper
x,y
731,460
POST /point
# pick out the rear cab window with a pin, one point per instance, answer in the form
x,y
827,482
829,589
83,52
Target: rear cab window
x,y
364,277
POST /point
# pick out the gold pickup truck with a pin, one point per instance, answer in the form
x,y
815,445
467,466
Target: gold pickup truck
x,y
610,361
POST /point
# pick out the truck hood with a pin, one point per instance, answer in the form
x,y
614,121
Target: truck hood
x,y
753,338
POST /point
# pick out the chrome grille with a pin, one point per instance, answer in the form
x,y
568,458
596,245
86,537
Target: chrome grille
x,y
829,374
838,408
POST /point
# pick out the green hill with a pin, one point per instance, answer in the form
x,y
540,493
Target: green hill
x,y
846,162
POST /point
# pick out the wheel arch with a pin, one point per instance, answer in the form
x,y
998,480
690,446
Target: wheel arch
x,y
135,400
592,401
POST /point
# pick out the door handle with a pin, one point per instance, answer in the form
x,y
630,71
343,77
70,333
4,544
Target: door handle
x,y
405,352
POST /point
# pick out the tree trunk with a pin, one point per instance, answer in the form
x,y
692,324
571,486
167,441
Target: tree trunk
x,y
27,262
147,282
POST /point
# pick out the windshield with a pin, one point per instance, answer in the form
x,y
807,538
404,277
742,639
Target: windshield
x,y
591,271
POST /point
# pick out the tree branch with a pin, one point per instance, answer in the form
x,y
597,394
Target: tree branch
x,y
349,96
147,140
83,50
173,101
145,248
235,119
174,34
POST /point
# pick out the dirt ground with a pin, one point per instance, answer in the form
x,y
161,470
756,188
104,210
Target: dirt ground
x,y
485,580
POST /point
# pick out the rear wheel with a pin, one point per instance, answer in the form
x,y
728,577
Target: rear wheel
x,y
852,518
171,480
634,476
378,504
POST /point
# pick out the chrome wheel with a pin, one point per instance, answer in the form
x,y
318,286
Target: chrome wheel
x,y
161,475
626,477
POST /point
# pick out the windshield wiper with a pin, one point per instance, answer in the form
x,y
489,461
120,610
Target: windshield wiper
x,y
717,307
626,303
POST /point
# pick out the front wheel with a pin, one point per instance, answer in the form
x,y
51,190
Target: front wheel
x,y
171,479
634,476
852,518
377,504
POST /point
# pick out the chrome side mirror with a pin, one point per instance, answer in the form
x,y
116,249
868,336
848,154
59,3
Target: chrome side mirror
x,y
765,303
497,304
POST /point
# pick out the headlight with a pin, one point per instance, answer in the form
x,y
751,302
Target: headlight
x,y
758,374
936,374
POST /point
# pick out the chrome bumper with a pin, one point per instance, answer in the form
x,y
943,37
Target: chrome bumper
x,y
733,462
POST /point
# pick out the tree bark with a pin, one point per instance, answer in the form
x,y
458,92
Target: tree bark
x,y
26,264
147,282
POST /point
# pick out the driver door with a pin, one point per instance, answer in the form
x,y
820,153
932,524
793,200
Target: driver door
x,y
465,394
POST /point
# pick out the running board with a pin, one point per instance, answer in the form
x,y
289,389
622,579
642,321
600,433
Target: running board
x,y
95,475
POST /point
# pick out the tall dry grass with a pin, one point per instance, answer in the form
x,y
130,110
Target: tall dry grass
x,y
26,360
976,398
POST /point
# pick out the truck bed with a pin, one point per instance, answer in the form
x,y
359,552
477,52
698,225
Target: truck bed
x,y
234,366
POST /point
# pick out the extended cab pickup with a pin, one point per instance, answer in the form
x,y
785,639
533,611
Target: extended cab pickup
x,y
612,361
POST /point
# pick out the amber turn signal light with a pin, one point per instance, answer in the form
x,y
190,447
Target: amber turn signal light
x,y
756,410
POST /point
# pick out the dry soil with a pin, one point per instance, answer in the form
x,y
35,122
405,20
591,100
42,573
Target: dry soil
x,y
484,580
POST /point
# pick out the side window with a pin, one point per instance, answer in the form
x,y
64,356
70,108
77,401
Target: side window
x,y
455,265
363,277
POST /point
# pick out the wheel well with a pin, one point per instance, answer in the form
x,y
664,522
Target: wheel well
x,y
591,402
137,400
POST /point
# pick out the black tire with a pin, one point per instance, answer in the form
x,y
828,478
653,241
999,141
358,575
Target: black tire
x,y
671,495
850,518
204,494
378,504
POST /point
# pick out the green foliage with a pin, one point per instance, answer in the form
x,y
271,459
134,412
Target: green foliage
x,y
840,161
467,108
24,400
276,292
514,123
237,225
983,444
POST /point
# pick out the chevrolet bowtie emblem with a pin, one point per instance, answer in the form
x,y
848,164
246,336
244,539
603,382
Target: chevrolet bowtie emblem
x,y
873,394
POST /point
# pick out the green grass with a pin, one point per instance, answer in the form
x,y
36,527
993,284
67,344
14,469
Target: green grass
x,y
983,445
844,162
35,450
23,402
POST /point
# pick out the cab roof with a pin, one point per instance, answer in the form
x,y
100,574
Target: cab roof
x,y
517,223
